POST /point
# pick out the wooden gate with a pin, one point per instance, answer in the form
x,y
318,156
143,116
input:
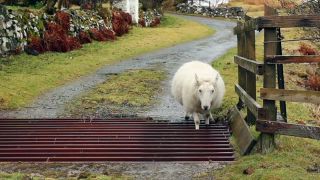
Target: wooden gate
x,y
265,116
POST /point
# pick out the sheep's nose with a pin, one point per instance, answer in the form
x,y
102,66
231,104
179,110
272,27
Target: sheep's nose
x,y
205,108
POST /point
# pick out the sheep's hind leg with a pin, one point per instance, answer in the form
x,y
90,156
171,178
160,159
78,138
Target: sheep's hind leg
x,y
196,120
208,118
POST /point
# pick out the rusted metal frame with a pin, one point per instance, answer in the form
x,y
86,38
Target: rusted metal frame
x,y
132,149
250,65
290,95
254,107
273,21
117,158
296,130
278,59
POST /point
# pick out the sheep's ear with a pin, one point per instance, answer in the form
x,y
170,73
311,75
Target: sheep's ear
x,y
217,77
216,80
197,79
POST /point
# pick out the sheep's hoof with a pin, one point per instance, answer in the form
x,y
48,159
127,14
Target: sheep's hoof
x,y
197,127
207,121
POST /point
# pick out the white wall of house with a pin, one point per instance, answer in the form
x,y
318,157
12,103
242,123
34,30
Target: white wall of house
x,y
134,10
129,6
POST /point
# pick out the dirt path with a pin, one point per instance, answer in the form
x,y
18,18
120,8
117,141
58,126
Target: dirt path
x,y
52,104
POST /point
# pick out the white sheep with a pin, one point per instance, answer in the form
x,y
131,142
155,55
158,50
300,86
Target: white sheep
x,y
198,88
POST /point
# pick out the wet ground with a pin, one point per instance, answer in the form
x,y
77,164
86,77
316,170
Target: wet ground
x,y
146,170
52,104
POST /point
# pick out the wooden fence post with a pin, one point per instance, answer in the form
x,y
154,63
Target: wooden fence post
x,y
267,142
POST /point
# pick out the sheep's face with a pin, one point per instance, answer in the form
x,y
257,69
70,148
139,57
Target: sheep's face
x,y
205,94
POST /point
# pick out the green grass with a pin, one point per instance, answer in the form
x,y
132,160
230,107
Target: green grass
x,y
14,176
25,77
135,88
292,157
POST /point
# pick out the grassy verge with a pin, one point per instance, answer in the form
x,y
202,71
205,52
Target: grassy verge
x,y
294,158
25,77
135,88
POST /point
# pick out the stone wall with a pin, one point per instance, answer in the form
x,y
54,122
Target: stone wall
x,y
227,12
131,7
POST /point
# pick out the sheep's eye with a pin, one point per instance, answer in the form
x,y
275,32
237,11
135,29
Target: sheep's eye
x,y
212,91
200,91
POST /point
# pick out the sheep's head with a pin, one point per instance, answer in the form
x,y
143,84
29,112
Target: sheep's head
x,y
205,92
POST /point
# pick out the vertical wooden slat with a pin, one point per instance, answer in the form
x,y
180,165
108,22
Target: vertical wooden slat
x,y
267,143
281,85
241,71
250,77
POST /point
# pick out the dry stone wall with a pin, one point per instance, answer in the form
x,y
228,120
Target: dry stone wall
x,y
227,12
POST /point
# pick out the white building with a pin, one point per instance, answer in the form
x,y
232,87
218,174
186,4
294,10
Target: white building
x,y
131,7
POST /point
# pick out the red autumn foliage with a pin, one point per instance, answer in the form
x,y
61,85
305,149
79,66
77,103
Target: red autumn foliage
x,y
84,37
36,43
155,22
127,17
97,35
86,6
109,34
63,19
119,23
313,82
306,49
73,43
56,39
142,22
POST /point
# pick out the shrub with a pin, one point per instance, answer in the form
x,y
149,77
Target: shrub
x,y
73,43
108,34
127,17
63,19
313,82
97,35
155,22
56,39
36,43
119,23
306,49
84,37
142,22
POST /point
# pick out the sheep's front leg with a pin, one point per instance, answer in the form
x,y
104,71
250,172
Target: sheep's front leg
x,y
187,117
208,118
196,120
